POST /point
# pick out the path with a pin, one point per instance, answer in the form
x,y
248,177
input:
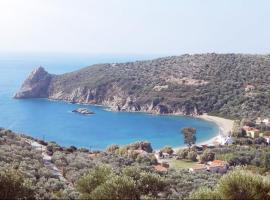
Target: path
x,y
47,159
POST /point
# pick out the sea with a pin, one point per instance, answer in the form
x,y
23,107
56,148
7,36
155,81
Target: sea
x,y
55,121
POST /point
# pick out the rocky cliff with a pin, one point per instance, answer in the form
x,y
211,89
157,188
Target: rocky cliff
x,y
224,84
36,85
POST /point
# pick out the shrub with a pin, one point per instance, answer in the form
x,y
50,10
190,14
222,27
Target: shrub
x,y
167,150
207,155
192,155
238,184
14,186
87,184
182,153
112,148
116,187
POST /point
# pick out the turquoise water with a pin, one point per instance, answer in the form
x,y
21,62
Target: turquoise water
x,y
54,121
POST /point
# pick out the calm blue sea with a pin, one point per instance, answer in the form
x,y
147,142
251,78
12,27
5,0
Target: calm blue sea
x,y
54,121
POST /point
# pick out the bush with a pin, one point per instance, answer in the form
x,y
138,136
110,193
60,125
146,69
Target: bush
x,y
238,184
167,150
112,148
14,186
130,183
192,155
116,187
182,153
207,156
88,183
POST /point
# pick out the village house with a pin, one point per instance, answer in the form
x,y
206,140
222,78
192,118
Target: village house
x,y
215,166
218,166
198,168
163,155
260,121
252,132
249,88
266,121
228,140
267,138
160,168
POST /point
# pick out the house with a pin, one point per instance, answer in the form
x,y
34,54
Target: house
x,y
260,121
160,168
198,168
251,131
227,140
267,138
218,166
249,88
266,121
162,155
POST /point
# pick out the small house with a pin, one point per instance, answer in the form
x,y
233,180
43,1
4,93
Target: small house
x,y
160,168
267,138
251,131
198,168
249,88
218,166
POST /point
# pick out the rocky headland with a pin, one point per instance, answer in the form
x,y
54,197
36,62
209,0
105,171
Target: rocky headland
x,y
230,85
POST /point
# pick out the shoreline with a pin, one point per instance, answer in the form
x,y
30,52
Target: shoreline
x,y
225,126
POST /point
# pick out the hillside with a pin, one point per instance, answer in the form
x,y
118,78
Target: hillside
x,y
230,85
26,174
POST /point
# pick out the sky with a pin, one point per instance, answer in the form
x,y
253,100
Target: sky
x,y
167,27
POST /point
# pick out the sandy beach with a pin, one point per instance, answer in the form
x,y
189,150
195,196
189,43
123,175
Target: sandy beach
x,y
225,126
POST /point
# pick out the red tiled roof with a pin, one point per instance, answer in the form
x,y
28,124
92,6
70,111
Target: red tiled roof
x,y
248,128
160,168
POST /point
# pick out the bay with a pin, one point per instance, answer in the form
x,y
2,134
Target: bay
x,y
54,121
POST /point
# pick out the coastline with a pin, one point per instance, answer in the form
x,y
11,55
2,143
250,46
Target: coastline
x,y
224,125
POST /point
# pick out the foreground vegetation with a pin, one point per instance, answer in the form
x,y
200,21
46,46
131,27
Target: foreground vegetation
x,y
128,172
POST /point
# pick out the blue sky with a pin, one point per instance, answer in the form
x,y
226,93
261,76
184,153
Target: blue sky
x,y
167,27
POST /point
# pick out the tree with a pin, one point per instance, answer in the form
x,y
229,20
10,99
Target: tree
x,y
151,184
88,183
207,155
14,186
167,149
182,153
205,193
116,187
238,184
147,183
266,160
189,136
192,155
130,183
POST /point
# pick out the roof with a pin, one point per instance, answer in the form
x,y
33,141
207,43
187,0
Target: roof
x,y
248,128
198,166
217,163
160,168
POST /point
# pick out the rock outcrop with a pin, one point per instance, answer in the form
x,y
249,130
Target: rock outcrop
x,y
36,85
83,111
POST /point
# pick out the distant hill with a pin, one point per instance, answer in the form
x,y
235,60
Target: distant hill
x,y
230,85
